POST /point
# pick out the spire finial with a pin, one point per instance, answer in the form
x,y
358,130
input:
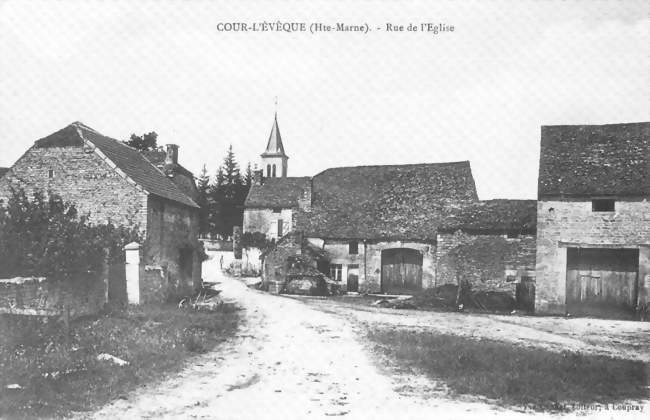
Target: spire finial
x,y
276,106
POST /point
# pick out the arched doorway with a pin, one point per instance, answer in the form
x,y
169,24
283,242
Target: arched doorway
x,y
401,271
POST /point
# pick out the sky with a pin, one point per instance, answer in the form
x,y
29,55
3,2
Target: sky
x,y
479,93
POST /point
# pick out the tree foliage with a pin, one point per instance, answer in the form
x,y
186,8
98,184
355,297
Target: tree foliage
x,y
145,142
45,236
225,197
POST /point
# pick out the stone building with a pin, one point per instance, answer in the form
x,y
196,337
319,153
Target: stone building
x,y
593,219
3,171
391,228
112,182
378,224
273,197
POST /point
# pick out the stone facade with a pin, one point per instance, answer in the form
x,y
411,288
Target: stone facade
x,y
492,262
368,260
266,221
114,183
564,224
80,176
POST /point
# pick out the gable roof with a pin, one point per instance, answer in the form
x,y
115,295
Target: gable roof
x,y
3,171
274,146
493,216
130,161
398,202
595,160
277,192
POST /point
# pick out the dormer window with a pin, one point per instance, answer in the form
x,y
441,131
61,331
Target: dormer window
x,y
603,205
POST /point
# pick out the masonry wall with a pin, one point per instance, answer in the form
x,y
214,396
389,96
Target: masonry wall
x,y
266,221
274,267
82,177
562,224
172,228
40,296
489,263
369,261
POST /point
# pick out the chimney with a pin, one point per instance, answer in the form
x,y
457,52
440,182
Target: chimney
x,y
172,155
258,177
304,202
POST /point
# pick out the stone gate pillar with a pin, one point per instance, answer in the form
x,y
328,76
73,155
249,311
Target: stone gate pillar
x,y
132,265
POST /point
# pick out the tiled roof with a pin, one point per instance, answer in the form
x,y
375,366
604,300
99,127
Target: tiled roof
x,y
493,216
595,160
277,192
3,171
398,202
158,156
129,160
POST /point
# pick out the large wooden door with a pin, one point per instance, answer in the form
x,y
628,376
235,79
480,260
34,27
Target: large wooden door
x,y
401,271
602,282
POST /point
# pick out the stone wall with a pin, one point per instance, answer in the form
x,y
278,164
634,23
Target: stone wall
x,y
369,261
274,267
172,237
491,262
40,296
266,221
81,177
562,224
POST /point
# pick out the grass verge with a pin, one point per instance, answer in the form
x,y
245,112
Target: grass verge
x,y
513,375
59,375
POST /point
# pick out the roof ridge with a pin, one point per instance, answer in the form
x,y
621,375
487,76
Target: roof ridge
x,y
597,125
397,165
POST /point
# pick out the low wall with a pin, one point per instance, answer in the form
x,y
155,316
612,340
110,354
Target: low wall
x,y
43,297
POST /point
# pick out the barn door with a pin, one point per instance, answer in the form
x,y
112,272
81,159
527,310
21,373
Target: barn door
x,y
602,282
401,271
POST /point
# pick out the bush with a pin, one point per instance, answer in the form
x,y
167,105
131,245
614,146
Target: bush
x,y
46,237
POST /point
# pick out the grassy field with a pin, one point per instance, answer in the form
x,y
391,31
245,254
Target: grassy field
x,y
512,375
58,376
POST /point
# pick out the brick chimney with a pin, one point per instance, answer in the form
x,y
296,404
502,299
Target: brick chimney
x,y
172,154
258,177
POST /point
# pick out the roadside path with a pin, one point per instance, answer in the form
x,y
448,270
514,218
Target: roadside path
x,y
288,361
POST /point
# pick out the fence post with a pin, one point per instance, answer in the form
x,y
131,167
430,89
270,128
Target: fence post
x,y
132,268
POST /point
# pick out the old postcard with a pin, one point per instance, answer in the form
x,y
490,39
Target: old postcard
x,y
326,209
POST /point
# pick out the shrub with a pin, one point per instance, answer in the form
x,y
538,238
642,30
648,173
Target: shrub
x,y
45,236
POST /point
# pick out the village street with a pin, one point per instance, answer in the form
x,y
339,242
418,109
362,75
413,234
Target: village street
x,y
291,361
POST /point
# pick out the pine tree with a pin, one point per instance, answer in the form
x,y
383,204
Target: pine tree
x,y
231,169
203,187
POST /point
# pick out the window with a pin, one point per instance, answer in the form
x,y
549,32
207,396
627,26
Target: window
x,y
277,210
353,247
336,271
602,204
50,173
268,171
512,235
280,223
274,171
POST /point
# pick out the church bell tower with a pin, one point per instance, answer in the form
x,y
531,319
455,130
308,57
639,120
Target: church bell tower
x,y
274,160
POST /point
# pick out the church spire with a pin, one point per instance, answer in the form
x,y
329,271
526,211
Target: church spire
x,y
274,160
274,145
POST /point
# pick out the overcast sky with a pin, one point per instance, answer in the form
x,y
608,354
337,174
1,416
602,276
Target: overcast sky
x,y
480,93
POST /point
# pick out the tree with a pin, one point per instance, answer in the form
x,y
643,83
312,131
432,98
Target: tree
x,y
226,197
145,142
203,187
248,178
230,167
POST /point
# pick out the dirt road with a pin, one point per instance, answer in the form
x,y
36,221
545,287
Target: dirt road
x,y
289,361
